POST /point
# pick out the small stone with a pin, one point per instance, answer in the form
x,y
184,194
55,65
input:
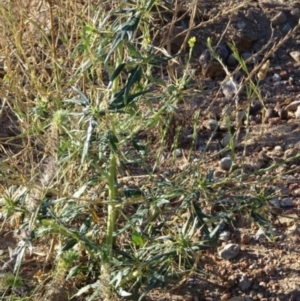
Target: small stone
x,y
177,152
227,139
225,235
297,113
291,152
244,283
295,55
280,18
286,28
293,106
245,239
275,202
230,88
211,124
286,202
276,77
229,251
246,56
231,61
278,148
225,163
260,234
241,24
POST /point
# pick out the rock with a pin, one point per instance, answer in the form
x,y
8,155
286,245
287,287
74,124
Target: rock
x,y
211,124
244,283
286,28
245,239
293,106
260,234
227,140
230,88
295,55
231,61
286,202
225,235
280,18
225,163
297,113
291,152
275,202
276,77
229,251
246,56
177,152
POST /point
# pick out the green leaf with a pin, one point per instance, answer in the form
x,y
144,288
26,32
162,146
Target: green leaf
x,y
117,71
137,239
119,102
113,140
69,245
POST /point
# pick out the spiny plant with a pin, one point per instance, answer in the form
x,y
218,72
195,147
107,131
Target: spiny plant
x,y
88,182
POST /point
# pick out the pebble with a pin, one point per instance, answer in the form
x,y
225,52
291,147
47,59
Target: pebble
x,y
275,202
227,140
286,28
225,235
260,234
280,18
230,88
295,55
211,124
246,56
229,251
291,152
297,113
244,283
276,77
178,152
225,163
286,202
231,61
245,239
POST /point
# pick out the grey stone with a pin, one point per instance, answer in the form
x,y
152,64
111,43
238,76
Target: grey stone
x,y
225,235
276,77
231,61
286,202
229,251
211,124
177,152
244,283
286,28
280,18
230,88
225,163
